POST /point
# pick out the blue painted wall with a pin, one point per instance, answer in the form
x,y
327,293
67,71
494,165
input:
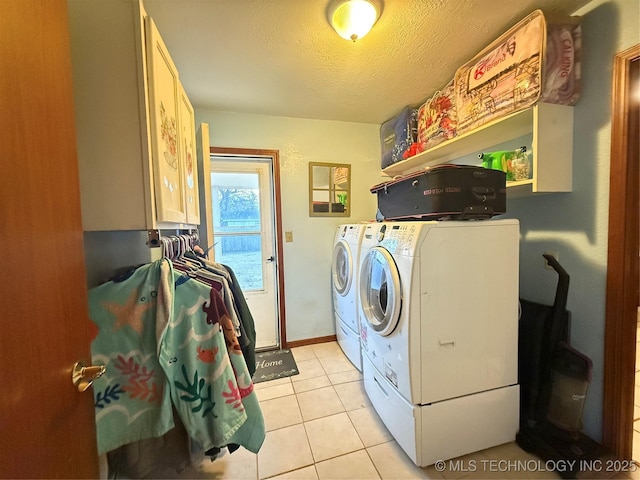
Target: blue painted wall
x,y
576,224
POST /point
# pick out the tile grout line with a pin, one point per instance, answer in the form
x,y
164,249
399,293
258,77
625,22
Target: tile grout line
x,y
304,422
362,441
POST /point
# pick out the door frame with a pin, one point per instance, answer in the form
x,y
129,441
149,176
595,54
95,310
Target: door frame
x,y
274,155
622,263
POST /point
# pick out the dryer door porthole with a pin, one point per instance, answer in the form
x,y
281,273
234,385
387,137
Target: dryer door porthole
x,y
342,267
380,292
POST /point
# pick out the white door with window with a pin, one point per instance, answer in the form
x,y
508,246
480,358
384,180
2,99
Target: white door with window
x,y
244,236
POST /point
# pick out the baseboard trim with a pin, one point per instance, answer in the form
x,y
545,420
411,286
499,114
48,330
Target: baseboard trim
x,y
311,341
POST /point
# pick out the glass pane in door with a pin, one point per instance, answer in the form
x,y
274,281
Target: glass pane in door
x,y
243,253
237,227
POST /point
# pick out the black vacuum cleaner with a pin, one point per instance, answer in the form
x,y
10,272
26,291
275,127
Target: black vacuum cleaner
x,y
554,379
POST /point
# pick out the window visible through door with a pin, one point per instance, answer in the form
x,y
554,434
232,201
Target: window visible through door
x,y
238,226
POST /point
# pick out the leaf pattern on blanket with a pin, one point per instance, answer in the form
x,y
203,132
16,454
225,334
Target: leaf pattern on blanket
x,y
233,396
194,393
110,394
140,384
142,390
134,369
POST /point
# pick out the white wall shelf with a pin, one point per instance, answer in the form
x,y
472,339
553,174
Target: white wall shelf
x,y
552,129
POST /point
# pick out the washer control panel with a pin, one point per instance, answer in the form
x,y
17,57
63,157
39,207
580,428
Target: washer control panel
x,y
399,237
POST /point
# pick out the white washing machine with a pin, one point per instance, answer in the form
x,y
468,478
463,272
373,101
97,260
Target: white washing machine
x,y
344,279
439,333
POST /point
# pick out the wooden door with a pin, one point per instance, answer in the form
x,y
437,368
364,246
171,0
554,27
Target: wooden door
x,y
47,427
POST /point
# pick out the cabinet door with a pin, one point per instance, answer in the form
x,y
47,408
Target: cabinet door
x,y
164,103
188,150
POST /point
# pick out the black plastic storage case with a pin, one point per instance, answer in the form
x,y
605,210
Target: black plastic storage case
x,y
444,191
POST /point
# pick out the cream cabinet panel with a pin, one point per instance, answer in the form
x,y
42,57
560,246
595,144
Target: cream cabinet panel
x,y
110,102
204,185
188,151
164,112
129,105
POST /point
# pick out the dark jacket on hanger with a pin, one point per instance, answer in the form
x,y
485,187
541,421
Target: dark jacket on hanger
x,y
246,320
247,338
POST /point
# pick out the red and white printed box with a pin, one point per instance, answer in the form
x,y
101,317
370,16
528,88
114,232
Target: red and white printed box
x,y
535,60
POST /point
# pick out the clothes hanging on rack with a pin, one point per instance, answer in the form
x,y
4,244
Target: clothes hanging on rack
x,y
214,280
168,341
247,324
168,456
182,251
247,338
174,246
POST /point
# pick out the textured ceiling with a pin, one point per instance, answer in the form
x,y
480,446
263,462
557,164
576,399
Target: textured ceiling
x,y
281,57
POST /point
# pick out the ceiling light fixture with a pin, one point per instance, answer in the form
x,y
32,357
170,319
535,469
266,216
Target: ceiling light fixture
x,y
352,19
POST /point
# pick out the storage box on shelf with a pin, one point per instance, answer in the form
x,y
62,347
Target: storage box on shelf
x,y
552,129
534,61
135,124
397,135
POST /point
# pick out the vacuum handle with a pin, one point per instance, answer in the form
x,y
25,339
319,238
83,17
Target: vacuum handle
x,y
562,290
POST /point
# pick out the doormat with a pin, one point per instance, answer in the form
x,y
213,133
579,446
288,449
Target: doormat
x,y
274,364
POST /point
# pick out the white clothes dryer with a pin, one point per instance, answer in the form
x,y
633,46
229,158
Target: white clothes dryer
x,y
439,333
344,279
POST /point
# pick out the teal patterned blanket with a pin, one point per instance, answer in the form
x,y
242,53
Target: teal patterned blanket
x,y
168,342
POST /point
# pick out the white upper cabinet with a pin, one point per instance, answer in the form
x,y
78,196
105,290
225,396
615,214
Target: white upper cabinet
x,y
166,142
133,148
188,146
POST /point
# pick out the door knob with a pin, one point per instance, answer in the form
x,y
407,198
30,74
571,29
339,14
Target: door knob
x,y
271,258
83,376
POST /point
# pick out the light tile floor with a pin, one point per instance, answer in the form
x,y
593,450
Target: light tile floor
x,y
321,425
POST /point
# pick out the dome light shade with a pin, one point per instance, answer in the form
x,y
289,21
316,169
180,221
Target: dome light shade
x,y
352,19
